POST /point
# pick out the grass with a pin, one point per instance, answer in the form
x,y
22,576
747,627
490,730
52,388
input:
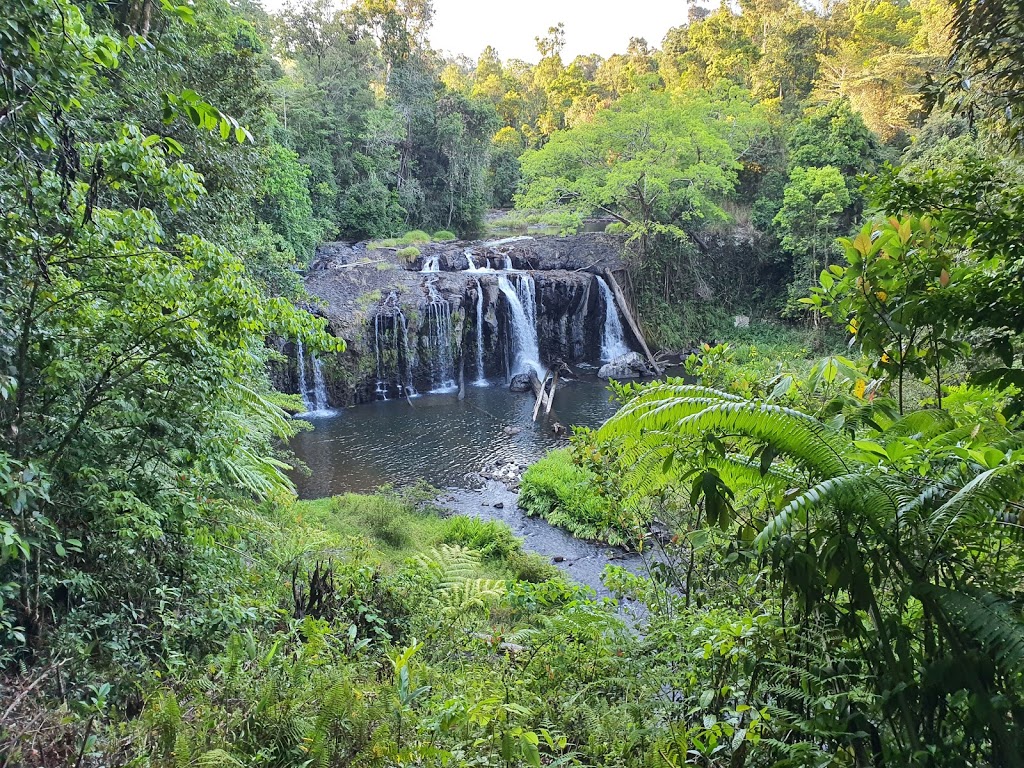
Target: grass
x,y
412,238
567,495
517,219
399,525
408,254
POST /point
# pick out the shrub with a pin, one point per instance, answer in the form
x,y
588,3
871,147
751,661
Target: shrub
x,y
444,235
416,236
409,254
615,228
488,537
566,495
531,567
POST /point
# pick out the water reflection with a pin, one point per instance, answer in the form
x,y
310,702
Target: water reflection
x,y
437,438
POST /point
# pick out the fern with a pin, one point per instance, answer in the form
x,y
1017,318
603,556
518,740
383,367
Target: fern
x,y
983,619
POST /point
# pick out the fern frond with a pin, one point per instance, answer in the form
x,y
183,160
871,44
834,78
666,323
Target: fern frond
x,y
851,492
985,620
922,425
980,500
684,410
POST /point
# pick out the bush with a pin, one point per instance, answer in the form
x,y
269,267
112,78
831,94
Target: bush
x,y
531,567
444,236
409,254
565,495
488,537
416,236
615,228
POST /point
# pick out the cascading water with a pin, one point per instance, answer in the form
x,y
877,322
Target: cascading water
x,y
522,304
481,379
439,326
613,339
391,332
431,264
472,264
313,398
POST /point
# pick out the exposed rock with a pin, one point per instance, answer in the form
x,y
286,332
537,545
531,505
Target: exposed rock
x,y
629,366
521,383
510,431
386,310
559,429
507,472
499,505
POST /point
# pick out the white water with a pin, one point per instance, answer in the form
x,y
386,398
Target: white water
x,y
506,240
522,303
313,398
399,341
431,264
439,325
613,339
472,264
481,380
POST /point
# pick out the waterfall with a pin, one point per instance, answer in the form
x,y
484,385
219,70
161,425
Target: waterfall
x,y
431,264
439,329
522,304
508,263
472,264
391,332
481,379
613,339
313,398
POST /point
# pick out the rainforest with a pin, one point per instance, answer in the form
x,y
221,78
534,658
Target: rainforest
x,y
368,404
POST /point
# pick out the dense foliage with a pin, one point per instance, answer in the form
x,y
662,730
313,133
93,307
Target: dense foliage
x,y
831,547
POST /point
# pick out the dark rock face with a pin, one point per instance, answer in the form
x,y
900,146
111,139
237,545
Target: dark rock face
x,y
520,383
410,331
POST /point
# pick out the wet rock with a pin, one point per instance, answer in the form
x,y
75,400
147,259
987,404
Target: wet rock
x,y
559,429
520,383
558,559
504,471
512,430
499,505
629,366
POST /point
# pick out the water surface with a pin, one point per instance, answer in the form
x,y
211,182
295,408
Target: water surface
x,y
437,437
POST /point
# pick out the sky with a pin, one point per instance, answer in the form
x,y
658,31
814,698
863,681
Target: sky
x,y
466,27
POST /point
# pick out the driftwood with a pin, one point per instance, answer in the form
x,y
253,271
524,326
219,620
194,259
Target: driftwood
x,y
538,392
624,307
551,396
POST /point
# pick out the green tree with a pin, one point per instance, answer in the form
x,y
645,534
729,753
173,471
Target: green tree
x,y
807,223
134,406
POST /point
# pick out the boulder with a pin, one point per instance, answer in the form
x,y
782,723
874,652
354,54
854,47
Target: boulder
x,y
628,366
521,383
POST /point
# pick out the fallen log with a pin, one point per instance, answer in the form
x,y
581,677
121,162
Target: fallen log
x,y
538,393
551,397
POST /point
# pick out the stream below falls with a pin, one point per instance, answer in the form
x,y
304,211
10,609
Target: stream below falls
x,y
446,442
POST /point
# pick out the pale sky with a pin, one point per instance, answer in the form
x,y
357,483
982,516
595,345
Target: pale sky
x,y
466,27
